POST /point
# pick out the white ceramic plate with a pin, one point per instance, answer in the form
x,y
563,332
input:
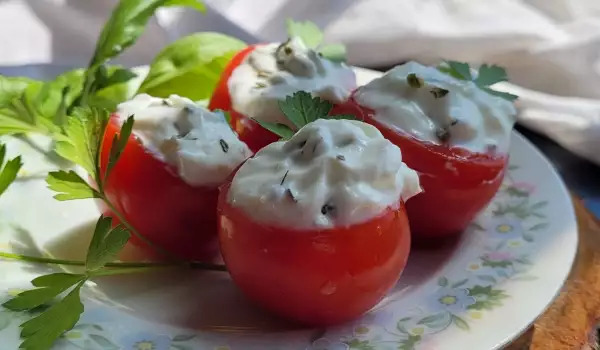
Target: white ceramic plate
x,y
502,274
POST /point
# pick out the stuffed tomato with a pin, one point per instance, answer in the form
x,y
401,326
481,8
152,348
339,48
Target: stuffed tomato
x,y
260,76
166,181
454,134
314,228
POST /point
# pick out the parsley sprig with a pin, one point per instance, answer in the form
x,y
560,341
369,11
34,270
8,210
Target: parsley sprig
x,y
487,76
84,134
300,109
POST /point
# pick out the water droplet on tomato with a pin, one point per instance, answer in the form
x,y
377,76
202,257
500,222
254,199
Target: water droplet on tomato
x,y
328,288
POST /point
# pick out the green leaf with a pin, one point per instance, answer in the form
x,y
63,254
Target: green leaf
x,y
12,88
301,108
516,192
33,106
280,130
84,132
118,89
538,205
334,52
490,75
118,144
460,323
49,287
125,25
9,171
104,342
127,22
191,66
504,95
459,70
460,283
310,34
486,76
117,76
442,282
69,186
41,332
432,319
106,243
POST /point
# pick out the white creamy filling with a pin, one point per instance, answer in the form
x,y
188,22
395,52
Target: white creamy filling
x,y
272,72
331,173
198,142
436,107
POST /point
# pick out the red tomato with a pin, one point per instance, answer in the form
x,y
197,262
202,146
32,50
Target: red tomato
x,y
250,132
457,184
176,216
319,277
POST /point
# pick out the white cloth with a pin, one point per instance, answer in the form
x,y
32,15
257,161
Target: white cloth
x,y
550,47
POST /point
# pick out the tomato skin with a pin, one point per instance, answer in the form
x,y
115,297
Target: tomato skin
x,y
457,184
163,208
249,131
221,98
319,277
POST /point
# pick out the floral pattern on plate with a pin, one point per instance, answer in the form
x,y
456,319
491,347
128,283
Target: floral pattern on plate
x,y
464,297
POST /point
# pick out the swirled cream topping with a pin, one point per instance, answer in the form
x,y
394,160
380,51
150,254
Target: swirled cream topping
x,y
198,142
436,107
331,173
271,72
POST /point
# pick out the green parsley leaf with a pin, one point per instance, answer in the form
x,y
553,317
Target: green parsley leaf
x,y
105,78
309,32
278,129
12,88
334,52
69,186
486,76
125,25
60,118
9,171
42,331
84,132
106,243
118,144
490,75
127,22
191,66
301,108
504,95
459,70
49,287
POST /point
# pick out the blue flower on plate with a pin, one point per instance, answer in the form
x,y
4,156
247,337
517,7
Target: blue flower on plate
x,y
451,300
326,344
504,227
146,341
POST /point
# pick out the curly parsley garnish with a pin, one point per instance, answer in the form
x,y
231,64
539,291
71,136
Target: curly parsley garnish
x,y
486,76
300,109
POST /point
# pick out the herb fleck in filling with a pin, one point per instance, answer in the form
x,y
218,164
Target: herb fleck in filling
x,y
224,145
